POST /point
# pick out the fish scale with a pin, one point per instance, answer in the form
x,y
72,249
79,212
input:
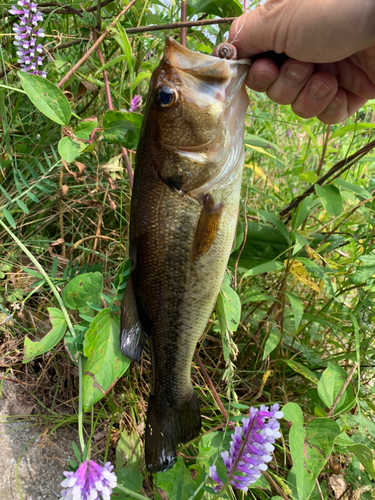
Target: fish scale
x,y
184,212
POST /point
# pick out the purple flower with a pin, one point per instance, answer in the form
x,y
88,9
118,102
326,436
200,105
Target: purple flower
x,y
90,481
136,103
289,132
250,448
27,33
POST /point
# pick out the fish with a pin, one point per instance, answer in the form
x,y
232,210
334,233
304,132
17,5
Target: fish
x,y
183,218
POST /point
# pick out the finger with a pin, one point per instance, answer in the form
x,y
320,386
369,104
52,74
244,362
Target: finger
x,y
292,78
350,77
316,95
262,73
343,105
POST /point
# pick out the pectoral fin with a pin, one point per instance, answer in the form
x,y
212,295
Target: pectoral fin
x,y
207,227
132,334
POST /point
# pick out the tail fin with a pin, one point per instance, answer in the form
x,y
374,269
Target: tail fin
x,y
167,427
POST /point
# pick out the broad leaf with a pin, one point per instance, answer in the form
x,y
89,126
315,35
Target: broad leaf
x,y
271,343
33,349
311,447
293,413
46,97
329,386
128,450
331,199
122,128
70,149
105,362
82,289
297,308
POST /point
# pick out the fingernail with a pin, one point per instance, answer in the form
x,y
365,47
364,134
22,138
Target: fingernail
x,y
263,78
318,90
296,73
333,105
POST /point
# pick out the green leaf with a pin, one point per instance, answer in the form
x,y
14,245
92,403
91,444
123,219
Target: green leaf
x,y
310,448
105,362
351,128
85,127
264,268
82,289
329,386
122,128
267,217
110,63
130,478
254,140
141,76
293,413
70,149
232,305
22,206
302,212
128,450
228,310
364,271
365,456
46,97
126,47
178,483
353,188
302,370
33,349
330,197
9,218
308,176
271,343
297,308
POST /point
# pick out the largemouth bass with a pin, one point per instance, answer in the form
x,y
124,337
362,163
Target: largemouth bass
x,y
184,212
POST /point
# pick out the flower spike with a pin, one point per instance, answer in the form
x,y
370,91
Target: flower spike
x,y
250,448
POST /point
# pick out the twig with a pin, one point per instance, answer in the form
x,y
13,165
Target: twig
x,y
183,20
209,381
275,485
342,390
242,244
66,9
325,144
95,45
188,24
344,164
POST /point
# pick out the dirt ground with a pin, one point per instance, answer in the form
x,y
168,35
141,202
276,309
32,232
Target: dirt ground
x,y
31,462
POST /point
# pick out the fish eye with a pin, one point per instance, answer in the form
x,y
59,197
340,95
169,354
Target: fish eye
x,y
165,96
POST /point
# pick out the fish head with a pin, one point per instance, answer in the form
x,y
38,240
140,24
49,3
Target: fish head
x,y
194,115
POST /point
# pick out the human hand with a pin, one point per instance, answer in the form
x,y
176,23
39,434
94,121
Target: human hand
x,y
330,44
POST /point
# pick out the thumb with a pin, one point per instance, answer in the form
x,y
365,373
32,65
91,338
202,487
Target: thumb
x,y
258,31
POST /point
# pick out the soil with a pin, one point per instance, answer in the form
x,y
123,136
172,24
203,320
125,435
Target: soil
x,y
31,461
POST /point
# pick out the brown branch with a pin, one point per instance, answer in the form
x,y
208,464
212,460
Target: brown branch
x,y
209,381
95,45
342,390
188,24
344,164
66,9
183,20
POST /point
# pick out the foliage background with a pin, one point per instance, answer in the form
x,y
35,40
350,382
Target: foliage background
x,y
299,287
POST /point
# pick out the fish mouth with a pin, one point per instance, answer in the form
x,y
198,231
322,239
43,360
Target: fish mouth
x,y
187,59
